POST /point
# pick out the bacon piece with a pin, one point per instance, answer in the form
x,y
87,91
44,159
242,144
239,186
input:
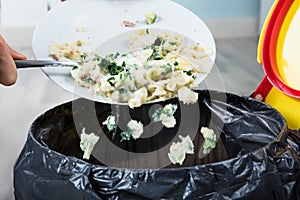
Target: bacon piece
x,y
128,23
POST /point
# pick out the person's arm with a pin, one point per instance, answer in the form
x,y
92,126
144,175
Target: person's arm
x,y
8,71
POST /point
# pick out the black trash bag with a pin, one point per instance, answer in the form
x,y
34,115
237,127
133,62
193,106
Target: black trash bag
x,y
256,156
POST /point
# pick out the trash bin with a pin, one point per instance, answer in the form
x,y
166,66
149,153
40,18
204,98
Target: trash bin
x,y
256,155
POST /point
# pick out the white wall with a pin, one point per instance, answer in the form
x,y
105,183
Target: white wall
x,y
22,12
21,16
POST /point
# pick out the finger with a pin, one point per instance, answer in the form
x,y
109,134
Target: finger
x,y
8,71
16,55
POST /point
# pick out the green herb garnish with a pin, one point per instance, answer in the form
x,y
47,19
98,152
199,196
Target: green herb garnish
x,y
172,43
83,57
125,136
74,67
156,55
112,67
111,81
189,72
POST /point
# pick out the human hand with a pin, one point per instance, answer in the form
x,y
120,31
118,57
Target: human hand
x,y
8,71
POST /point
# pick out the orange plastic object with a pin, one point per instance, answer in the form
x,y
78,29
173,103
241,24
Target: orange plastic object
x,y
278,49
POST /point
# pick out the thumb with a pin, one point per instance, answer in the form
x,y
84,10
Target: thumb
x,y
16,55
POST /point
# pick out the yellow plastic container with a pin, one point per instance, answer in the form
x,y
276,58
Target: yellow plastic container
x,y
278,52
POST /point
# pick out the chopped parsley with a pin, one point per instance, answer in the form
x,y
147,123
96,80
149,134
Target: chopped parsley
x,y
115,69
111,81
74,67
111,66
156,55
83,57
125,136
189,72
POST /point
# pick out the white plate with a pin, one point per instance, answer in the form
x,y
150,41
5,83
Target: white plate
x,y
102,20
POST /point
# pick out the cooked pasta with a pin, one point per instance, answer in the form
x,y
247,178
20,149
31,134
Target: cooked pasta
x,y
157,67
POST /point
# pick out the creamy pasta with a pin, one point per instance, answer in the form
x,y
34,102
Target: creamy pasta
x,y
157,67
178,150
87,143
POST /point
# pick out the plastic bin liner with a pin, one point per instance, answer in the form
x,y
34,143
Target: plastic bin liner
x,y
256,155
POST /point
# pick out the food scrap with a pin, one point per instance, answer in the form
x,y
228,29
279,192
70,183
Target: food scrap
x,y
135,130
187,96
80,29
210,139
70,51
127,23
155,69
110,123
165,115
150,18
87,143
178,150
